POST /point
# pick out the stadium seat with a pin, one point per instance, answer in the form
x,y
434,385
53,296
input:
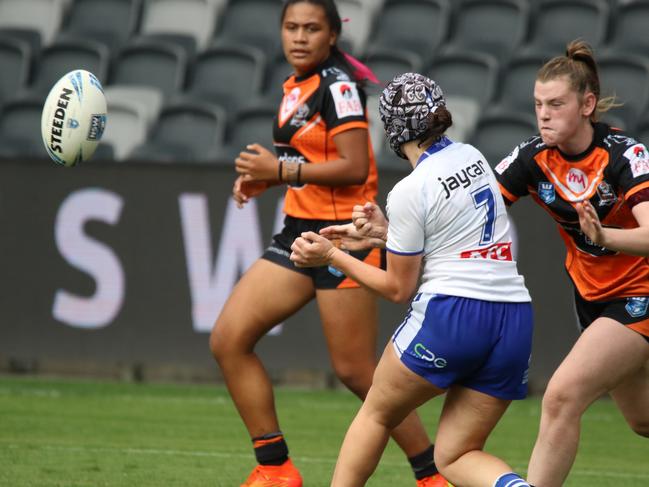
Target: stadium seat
x,y
418,26
149,100
23,18
104,152
146,63
189,23
495,27
377,134
387,160
228,76
277,72
185,132
373,6
15,59
642,131
126,127
65,56
20,129
250,125
515,89
465,112
111,22
466,74
554,23
498,132
629,28
614,121
626,77
236,27
356,28
387,63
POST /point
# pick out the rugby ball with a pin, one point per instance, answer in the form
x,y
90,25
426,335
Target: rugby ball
x,y
74,118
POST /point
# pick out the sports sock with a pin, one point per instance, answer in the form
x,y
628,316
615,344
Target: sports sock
x,y
423,464
511,480
270,449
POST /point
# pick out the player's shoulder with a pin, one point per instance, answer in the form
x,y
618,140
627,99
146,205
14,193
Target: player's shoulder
x,y
626,150
523,153
614,139
331,73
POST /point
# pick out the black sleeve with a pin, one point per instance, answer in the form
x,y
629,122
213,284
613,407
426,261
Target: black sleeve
x,y
343,102
512,174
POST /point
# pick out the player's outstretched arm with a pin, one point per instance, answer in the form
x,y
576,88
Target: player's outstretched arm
x,y
370,221
257,163
243,190
347,237
634,241
397,283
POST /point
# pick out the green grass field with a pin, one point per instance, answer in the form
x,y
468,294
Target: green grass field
x,y
74,433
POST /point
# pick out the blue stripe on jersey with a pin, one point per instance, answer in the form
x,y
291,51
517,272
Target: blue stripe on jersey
x,y
404,253
436,147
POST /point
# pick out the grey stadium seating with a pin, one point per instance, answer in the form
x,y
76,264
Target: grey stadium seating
x,y
185,132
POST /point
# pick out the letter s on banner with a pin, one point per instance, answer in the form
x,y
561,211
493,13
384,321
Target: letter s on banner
x,y
90,256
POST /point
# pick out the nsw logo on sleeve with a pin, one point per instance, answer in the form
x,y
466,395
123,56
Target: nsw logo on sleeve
x,y
346,99
638,159
546,192
637,307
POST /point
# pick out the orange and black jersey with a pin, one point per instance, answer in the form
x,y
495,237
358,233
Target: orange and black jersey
x,y
315,108
613,174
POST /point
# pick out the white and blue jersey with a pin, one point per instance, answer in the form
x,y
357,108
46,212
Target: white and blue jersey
x,y
471,321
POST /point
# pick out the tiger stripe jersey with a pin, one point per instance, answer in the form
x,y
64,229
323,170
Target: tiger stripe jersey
x,y
315,108
613,174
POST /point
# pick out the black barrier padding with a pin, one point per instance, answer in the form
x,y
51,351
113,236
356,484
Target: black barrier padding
x,y
153,325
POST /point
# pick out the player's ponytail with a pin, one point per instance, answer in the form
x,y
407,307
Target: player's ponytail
x,y
578,65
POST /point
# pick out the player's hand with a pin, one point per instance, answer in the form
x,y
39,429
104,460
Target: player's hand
x,y
590,223
257,163
243,190
312,250
347,237
370,221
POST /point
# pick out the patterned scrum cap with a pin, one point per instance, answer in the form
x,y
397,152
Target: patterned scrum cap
x,y
405,105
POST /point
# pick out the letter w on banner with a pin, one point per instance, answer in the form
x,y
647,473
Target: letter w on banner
x,y
211,279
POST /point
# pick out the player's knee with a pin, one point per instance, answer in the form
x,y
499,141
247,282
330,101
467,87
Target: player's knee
x,y
640,426
222,343
357,378
561,401
216,346
446,454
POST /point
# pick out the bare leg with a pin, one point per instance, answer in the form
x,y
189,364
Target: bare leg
x,y
467,419
604,357
632,398
349,318
395,392
265,295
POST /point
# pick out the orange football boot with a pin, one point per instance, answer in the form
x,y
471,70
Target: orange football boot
x,y
433,481
284,475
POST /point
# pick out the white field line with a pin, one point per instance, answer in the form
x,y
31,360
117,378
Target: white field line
x,y
301,459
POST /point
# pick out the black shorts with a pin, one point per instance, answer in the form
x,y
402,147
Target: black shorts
x,y
325,277
632,312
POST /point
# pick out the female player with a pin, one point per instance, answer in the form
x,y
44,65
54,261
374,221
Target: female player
x,y
323,155
469,328
594,181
